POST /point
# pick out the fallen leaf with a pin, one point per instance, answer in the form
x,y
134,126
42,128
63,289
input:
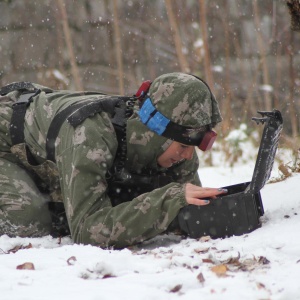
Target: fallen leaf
x,y
260,285
263,260
233,260
26,266
251,264
207,260
19,247
187,266
201,250
284,170
176,288
200,277
222,251
108,276
205,238
71,260
219,270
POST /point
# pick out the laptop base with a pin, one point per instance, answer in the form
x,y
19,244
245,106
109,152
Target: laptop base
x,y
234,214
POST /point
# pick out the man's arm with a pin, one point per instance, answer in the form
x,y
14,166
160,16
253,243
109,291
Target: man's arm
x,y
91,217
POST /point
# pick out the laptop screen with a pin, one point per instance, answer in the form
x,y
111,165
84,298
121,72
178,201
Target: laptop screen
x,y
267,149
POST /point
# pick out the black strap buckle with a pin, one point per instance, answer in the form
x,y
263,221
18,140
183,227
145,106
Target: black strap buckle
x,y
26,98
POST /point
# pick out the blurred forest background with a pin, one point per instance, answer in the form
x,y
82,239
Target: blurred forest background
x,y
246,50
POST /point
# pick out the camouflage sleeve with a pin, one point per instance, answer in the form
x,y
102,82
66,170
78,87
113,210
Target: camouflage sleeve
x,y
84,155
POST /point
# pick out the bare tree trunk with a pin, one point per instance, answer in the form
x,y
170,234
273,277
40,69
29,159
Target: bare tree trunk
x,y
118,47
292,109
151,68
59,41
68,38
249,106
277,56
278,78
294,9
184,67
226,109
207,62
110,41
261,48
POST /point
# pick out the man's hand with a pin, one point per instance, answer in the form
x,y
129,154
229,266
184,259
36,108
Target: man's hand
x,y
196,194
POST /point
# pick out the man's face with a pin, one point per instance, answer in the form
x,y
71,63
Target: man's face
x,y
175,153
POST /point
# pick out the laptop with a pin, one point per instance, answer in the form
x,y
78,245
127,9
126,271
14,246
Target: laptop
x,y
239,211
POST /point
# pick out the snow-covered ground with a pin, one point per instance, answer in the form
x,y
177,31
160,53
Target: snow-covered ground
x,y
264,264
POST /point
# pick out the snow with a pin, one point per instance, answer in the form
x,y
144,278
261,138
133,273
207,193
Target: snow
x,y
58,75
238,134
198,43
264,264
218,69
266,88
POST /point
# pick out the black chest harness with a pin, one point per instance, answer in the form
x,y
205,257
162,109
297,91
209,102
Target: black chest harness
x,y
122,184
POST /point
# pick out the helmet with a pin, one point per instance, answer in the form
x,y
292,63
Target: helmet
x,y
177,107
181,107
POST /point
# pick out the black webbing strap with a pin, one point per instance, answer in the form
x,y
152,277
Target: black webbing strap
x,y
111,105
55,126
27,91
17,86
16,127
77,113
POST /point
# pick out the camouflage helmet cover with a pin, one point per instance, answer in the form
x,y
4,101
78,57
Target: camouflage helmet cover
x,y
185,100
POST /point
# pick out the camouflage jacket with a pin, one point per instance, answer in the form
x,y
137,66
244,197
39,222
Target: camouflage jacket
x,y
84,155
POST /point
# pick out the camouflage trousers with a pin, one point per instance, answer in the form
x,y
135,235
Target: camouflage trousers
x,y
23,207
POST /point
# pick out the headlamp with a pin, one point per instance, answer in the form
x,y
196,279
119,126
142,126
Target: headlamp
x,y
202,137
208,140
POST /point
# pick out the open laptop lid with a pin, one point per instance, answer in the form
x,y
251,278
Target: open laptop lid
x,y
267,149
